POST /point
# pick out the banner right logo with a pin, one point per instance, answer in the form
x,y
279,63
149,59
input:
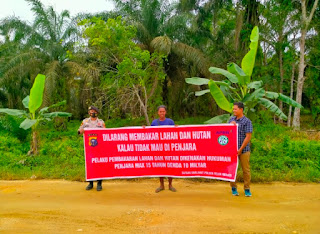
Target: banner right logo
x,y
223,140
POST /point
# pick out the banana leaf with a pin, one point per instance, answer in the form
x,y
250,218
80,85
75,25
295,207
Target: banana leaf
x,y
13,112
248,60
57,114
272,107
232,77
242,77
227,93
289,101
256,95
219,97
36,93
25,102
197,81
255,84
45,109
222,83
272,95
27,123
202,92
284,98
218,119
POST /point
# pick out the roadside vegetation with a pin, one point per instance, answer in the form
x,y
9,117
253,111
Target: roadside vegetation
x,y
278,153
145,53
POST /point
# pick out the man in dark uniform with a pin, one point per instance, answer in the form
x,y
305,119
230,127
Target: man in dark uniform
x,y
92,122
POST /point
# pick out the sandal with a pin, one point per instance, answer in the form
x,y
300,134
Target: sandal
x,y
159,189
172,189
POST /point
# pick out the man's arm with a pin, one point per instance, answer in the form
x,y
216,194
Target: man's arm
x,y
103,124
232,121
173,123
245,142
81,129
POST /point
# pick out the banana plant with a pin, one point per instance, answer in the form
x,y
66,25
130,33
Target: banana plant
x,y
239,87
32,116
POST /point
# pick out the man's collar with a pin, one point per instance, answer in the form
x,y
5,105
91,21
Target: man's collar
x,y
240,118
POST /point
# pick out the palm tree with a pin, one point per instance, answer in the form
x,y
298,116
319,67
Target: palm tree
x,y
14,84
159,28
44,46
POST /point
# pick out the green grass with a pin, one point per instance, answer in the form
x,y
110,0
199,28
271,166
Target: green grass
x,y
278,153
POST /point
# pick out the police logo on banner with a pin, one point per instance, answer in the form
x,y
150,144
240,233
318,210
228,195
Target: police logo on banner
x,y
223,140
93,140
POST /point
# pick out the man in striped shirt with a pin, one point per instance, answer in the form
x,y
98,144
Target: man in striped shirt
x,y
244,136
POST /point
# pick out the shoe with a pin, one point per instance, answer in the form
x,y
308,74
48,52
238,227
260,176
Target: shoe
x,y
90,185
234,191
247,193
99,186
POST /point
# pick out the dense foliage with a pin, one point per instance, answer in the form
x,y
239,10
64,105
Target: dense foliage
x,y
157,44
130,60
34,117
133,76
278,153
239,88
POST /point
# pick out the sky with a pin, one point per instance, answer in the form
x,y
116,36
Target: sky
x,y
21,8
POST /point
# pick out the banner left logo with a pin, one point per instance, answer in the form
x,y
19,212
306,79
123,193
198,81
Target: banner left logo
x,y
93,140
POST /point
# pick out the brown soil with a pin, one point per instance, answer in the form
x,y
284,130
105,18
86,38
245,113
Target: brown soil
x,y
122,206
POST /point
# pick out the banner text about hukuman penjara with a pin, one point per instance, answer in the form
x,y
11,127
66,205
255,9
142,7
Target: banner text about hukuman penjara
x,y
208,151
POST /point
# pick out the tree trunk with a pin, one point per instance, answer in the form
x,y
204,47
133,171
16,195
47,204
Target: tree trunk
x,y
305,21
264,54
239,24
301,78
142,105
10,101
281,80
34,143
291,94
145,113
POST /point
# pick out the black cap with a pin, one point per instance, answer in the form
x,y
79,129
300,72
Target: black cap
x,y
93,108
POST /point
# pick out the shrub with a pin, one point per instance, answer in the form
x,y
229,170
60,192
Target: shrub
x,y
11,125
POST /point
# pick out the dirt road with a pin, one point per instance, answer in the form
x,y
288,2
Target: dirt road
x,y
132,207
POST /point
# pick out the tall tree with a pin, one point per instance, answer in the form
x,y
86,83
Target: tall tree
x,y
312,84
305,23
250,19
277,26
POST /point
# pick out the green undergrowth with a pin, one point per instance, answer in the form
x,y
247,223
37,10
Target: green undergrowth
x,y
278,153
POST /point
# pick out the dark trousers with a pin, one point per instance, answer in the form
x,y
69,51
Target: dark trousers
x,y
99,182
